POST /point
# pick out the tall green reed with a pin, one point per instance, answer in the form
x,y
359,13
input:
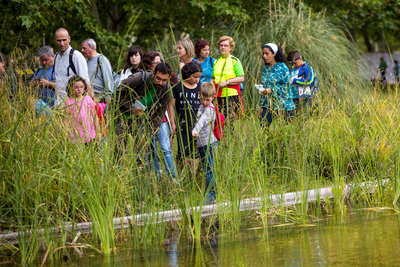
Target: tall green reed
x,y
351,139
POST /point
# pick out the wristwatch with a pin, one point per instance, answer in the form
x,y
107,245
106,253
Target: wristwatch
x,y
227,82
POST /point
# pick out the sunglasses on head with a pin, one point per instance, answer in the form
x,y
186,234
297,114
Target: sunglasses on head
x,y
291,62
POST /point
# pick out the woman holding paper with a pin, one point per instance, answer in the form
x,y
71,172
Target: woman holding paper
x,y
276,97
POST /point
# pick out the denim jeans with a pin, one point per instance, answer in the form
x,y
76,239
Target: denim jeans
x,y
163,139
207,160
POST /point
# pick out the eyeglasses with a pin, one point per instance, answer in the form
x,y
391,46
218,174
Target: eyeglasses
x,y
159,80
291,62
224,45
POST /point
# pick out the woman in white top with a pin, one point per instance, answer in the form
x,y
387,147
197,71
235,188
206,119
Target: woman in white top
x,y
133,62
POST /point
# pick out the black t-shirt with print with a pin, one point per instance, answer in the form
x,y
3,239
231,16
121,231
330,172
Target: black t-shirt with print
x,y
187,103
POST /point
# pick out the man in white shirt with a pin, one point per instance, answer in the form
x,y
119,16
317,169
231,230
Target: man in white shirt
x,y
67,62
100,71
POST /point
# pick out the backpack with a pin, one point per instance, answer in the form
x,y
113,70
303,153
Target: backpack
x,y
71,63
116,77
100,110
314,85
219,122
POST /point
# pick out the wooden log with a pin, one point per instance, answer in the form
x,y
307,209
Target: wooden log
x,y
287,199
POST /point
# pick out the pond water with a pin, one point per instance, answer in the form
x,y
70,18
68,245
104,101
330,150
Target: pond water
x,y
362,238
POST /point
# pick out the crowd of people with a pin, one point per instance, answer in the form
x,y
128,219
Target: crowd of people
x,y
151,99
382,71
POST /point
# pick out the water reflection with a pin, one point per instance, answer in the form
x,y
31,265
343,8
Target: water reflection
x,y
363,238
197,253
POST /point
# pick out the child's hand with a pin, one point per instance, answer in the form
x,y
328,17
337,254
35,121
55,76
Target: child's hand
x,y
195,134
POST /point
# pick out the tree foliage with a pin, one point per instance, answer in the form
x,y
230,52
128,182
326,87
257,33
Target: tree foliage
x,y
110,22
368,17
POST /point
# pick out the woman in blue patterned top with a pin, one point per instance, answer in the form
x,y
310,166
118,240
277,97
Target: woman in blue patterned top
x,y
276,98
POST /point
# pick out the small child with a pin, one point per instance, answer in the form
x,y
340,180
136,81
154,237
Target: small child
x,y
206,140
302,80
82,120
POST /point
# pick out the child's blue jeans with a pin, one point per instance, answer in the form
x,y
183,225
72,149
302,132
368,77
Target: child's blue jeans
x,y
207,159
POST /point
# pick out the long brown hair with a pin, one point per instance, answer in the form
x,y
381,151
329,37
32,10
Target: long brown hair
x,y
4,58
74,79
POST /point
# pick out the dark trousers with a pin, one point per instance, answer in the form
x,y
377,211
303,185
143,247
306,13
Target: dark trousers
x,y
229,105
267,115
305,105
125,127
383,75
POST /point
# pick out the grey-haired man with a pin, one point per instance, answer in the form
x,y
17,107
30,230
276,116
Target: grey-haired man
x,y
100,71
44,76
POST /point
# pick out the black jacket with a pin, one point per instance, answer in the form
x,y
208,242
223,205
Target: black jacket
x,y
134,88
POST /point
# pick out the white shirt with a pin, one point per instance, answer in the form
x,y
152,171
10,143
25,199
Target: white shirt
x,y
60,71
125,74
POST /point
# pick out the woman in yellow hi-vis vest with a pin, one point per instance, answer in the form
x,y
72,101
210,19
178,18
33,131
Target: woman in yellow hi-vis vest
x,y
228,74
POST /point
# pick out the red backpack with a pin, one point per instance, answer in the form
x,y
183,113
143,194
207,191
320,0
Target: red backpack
x,y
218,128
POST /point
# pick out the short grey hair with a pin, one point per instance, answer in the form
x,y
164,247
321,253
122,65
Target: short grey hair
x,y
46,51
91,43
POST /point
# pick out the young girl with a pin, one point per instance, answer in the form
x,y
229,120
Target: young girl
x,y
81,118
186,100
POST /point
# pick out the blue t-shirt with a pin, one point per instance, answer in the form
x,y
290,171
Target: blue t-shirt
x,y
207,66
47,94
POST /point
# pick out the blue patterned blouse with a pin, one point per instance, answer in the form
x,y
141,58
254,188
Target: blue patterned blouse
x,y
278,79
